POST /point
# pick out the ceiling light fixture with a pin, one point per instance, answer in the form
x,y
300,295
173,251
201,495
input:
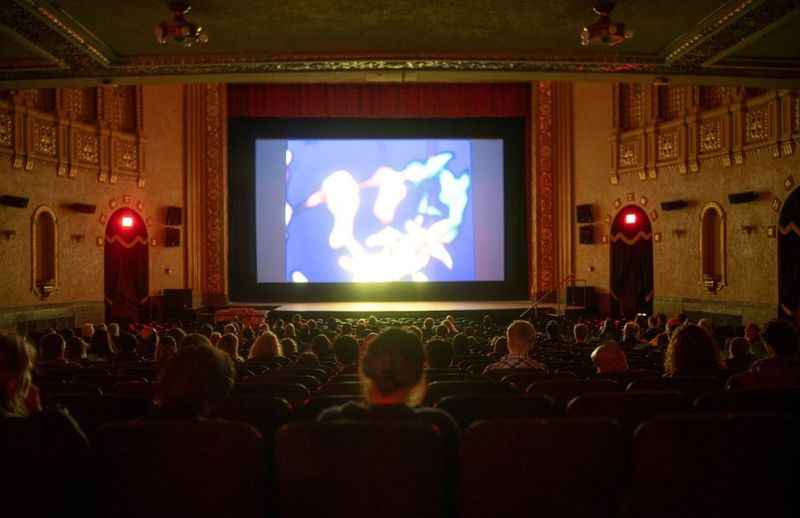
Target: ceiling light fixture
x,y
603,31
180,30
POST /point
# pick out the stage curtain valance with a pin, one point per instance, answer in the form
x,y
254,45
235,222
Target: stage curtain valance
x,y
380,100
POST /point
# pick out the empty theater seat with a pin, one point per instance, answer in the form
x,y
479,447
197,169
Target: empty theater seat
x,y
349,469
540,467
205,468
715,465
469,408
562,391
439,389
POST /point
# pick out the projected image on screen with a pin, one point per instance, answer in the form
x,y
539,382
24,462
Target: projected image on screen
x,y
382,210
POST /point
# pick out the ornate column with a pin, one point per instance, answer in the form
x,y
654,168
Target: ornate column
x,y
553,219
206,143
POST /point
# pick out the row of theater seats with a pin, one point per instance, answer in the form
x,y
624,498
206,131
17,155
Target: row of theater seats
x,y
677,466
619,445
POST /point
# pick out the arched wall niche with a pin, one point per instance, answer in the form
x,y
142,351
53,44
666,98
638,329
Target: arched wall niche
x,y
44,252
713,247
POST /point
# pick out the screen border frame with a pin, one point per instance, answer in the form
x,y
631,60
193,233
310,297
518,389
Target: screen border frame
x,y
242,260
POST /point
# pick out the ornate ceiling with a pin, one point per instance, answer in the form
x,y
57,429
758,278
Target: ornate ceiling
x,y
46,42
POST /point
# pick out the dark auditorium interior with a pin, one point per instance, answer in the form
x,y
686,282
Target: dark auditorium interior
x,y
437,259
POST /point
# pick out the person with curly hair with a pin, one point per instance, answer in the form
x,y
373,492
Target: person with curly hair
x,y
692,352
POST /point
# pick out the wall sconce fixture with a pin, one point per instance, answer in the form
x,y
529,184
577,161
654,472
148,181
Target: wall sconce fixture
x,y
77,237
748,229
679,232
8,234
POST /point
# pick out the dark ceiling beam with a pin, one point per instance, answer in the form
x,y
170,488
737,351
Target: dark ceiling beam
x,y
55,33
733,26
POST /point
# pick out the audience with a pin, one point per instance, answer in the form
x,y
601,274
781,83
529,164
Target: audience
x,y
630,336
77,349
581,334
195,380
165,349
52,348
739,357
321,346
439,354
753,335
393,381
45,455
780,368
609,358
127,344
692,352
229,343
265,348
345,349
520,338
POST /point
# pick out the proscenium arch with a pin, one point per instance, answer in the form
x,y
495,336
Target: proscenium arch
x,y
37,251
721,244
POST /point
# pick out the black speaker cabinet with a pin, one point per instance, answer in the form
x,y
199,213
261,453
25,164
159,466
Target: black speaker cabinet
x,y
586,235
176,302
14,201
584,213
582,296
172,237
674,205
83,208
174,216
742,197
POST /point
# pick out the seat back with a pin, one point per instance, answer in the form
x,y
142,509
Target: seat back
x,y
773,401
439,389
200,468
314,406
563,391
467,409
528,374
691,387
292,392
348,469
716,465
629,408
348,388
540,467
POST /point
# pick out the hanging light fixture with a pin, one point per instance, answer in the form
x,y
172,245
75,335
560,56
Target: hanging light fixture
x,y
603,31
180,30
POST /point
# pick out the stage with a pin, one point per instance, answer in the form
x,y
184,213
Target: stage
x,y
500,308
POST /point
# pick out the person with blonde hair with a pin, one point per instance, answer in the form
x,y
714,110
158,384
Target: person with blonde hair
x,y
45,454
520,338
266,347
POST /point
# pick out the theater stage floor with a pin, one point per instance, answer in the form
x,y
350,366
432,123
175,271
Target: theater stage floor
x,y
507,307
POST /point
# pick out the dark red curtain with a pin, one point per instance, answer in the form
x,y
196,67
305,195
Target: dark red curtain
x,y
380,101
789,258
632,264
385,101
126,266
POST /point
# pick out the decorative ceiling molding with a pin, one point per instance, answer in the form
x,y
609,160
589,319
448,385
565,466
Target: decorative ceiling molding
x,y
53,34
736,24
74,54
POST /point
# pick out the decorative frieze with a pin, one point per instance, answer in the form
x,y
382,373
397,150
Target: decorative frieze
x,y
711,136
668,146
78,129
87,148
757,125
6,130
727,133
44,138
